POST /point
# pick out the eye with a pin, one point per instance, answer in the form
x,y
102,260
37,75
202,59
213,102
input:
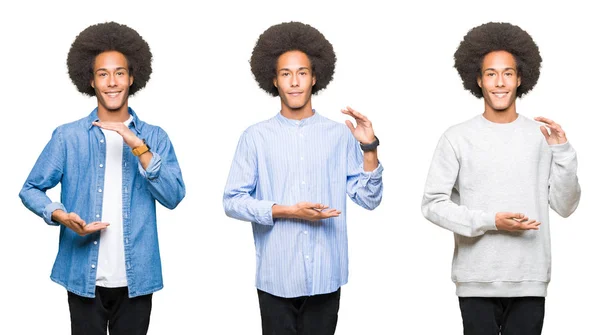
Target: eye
x,y
509,74
490,74
285,74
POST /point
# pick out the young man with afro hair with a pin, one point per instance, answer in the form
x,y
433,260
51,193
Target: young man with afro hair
x,y
491,181
112,168
290,176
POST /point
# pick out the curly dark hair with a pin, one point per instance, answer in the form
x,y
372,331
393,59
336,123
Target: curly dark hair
x,y
289,36
109,36
494,36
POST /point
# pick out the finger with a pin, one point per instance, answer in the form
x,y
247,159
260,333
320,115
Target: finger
x,y
330,213
96,226
357,115
530,225
543,119
514,216
313,205
351,126
77,220
556,128
545,132
323,207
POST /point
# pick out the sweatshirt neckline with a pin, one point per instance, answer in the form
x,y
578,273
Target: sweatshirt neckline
x,y
497,125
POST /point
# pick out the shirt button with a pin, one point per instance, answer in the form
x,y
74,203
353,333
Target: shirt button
x,y
101,165
101,141
97,215
301,158
303,182
93,266
305,232
305,257
95,242
99,190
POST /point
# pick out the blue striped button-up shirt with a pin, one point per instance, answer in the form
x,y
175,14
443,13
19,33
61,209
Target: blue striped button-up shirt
x,y
283,161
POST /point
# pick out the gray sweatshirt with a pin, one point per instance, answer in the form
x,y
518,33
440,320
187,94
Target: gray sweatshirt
x,y
480,168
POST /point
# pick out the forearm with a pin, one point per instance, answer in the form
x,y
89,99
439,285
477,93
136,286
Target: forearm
x,y
246,208
458,219
365,188
564,191
39,203
164,180
370,161
438,206
145,159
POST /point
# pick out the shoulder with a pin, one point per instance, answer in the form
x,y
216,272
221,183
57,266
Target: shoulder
x,y
462,129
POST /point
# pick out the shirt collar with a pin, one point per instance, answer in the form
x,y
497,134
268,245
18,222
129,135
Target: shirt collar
x,y
135,123
298,123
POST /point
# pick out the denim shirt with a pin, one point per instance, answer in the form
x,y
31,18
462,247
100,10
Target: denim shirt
x,y
75,158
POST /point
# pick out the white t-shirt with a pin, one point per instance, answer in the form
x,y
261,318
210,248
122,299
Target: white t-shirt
x,y
111,257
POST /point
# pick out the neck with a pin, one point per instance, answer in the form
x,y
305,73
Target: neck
x,y
505,116
297,113
120,115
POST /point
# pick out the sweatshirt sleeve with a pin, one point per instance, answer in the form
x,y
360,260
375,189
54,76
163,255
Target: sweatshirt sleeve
x,y
564,190
437,205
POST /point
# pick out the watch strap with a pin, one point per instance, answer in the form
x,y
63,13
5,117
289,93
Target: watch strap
x,y
370,146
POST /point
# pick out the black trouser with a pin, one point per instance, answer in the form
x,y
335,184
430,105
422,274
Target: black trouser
x,y
111,307
314,315
506,316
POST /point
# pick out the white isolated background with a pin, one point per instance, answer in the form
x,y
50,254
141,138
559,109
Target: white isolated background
x,y
394,65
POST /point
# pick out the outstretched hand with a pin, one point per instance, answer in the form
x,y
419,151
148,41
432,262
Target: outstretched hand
x,y
363,132
128,136
305,211
76,224
556,134
515,222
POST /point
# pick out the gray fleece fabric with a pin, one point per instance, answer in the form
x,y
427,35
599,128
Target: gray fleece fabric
x,y
480,168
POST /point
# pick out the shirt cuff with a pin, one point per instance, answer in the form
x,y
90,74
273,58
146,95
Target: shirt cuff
x,y
49,209
264,213
488,222
368,175
562,151
152,171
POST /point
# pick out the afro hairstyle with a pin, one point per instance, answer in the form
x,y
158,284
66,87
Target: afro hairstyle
x,y
109,36
284,37
494,36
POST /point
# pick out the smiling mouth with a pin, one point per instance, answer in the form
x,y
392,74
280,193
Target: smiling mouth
x,y
500,94
112,94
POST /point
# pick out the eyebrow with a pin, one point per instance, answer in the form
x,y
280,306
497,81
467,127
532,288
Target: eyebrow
x,y
116,69
506,68
299,69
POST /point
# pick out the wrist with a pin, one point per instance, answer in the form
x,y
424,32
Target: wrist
x,y
279,211
371,146
57,215
141,148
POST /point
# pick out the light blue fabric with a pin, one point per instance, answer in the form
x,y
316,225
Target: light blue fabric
x,y
283,161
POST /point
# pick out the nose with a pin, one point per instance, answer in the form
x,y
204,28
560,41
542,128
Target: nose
x,y
294,80
111,80
500,81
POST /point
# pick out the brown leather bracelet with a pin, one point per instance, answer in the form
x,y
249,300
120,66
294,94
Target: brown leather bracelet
x,y
138,151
